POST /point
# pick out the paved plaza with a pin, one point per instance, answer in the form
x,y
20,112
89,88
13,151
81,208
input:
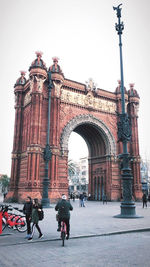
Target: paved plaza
x,y
96,239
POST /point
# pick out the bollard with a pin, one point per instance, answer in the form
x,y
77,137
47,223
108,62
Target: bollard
x,y
0,222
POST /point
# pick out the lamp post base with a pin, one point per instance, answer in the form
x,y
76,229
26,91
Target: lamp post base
x,y
128,211
45,200
45,203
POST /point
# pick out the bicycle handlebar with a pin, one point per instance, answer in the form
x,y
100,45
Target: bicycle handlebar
x,y
9,207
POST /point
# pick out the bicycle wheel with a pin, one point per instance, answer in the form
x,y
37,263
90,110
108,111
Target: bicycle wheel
x,y
21,224
4,224
63,238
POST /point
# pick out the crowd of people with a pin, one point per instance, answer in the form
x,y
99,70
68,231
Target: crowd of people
x,y
82,196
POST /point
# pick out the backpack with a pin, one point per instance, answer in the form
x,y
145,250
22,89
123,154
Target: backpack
x,y
41,214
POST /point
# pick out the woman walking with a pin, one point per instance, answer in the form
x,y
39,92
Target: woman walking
x,y
35,218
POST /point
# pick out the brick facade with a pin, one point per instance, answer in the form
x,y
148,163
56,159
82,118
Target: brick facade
x,y
82,108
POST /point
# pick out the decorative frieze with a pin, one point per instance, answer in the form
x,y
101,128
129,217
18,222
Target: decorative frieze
x,y
88,100
35,148
18,155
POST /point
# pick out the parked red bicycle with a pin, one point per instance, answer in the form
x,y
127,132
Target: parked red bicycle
x,y
11,220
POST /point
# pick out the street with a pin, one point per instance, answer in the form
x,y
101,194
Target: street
x,y
97,239
120,250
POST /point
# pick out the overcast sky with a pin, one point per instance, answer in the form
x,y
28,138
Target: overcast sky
x,y
82,34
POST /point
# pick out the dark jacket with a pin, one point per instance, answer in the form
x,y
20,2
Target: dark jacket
x,y
27,209
35,215
144,198
63,207
81,196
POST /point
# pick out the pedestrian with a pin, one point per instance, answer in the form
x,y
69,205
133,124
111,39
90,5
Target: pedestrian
x,y
27,210
85,196
73,197
4,191
104,198
81,200
36,207
89,196
63,207
144,198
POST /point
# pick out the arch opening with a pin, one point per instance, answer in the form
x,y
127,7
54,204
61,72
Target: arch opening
x,y
89,126
93,139
101,145
77,165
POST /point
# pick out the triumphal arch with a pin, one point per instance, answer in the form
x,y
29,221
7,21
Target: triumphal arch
x,y
89,111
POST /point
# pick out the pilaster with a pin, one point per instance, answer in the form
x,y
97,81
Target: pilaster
x,y
133,107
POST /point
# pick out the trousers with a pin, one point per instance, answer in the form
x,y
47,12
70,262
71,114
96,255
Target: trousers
x,y
28,221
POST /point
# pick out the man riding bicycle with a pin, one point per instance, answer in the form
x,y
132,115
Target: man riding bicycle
x,y
63,207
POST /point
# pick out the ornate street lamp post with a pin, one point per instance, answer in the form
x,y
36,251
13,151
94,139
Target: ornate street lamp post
x,y
47,150
124,135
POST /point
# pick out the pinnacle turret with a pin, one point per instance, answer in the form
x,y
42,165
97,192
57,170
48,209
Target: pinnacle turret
x,y
55,67
38,62
21,80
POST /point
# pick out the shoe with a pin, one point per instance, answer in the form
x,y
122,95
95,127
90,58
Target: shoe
x,y
30,239
58,230
67,237
40,236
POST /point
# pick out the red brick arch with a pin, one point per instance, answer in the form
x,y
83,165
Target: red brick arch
x,y
83,108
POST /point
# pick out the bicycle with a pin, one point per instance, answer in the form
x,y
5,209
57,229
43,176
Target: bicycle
x,y
63,232
14,221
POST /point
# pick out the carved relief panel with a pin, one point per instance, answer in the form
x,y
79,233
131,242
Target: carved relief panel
x,y
87,101
27,98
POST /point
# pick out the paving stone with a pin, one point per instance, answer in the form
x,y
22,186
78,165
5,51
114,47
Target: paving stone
x,y
96,219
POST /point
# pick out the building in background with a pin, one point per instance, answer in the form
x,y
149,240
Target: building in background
x,y
78,182
145,176
4,185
